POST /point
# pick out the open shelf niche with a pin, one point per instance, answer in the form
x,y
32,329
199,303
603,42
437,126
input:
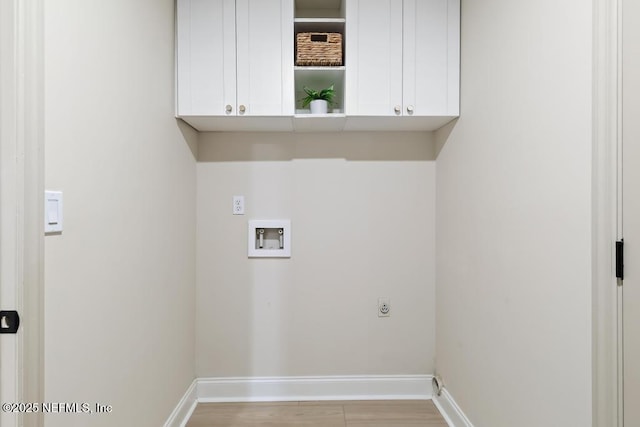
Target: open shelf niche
x,y
323,16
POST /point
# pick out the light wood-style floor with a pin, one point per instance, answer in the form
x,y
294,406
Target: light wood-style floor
x,y
383,413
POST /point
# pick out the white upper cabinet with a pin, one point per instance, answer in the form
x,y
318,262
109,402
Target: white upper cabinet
x,y
374,45
235,68
206,56
403,60
264,32
234,59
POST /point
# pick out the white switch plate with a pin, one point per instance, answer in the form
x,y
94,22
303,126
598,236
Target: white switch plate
x,y
238,205
52,211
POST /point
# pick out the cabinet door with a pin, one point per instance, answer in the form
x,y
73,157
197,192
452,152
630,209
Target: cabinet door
x,y
206,60
373,57
431,57
265,57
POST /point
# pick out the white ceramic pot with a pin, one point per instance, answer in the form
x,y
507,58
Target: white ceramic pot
x,y
319,106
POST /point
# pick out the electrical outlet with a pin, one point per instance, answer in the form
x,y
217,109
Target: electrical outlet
x,y
238,205
384,307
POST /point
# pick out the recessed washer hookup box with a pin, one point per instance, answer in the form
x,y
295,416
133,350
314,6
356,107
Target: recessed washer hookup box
x,y
269,238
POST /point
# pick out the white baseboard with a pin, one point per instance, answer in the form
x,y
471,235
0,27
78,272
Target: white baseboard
x,y
265,389
273,389
187,404
450,410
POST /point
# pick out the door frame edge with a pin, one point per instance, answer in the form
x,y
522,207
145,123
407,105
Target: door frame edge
x,y
606,363
30,289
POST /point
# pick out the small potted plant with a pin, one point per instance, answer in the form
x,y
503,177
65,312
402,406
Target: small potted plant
x,y
318,100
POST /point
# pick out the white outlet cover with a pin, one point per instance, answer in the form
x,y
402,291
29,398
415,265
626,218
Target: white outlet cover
x,y
238,205
384,301
256,224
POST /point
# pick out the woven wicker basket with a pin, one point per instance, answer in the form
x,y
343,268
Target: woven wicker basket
x,y
319,49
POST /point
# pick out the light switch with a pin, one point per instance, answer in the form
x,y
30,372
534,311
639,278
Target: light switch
x,y
53,211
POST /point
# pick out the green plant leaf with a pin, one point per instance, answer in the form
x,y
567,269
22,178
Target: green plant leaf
x,y
327,94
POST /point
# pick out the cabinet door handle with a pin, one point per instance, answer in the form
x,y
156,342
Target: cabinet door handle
x,y
228,108
242,109
397,109
410,109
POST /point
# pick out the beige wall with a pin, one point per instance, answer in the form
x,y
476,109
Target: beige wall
x,y
120,279
362,212
513,218
513,224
